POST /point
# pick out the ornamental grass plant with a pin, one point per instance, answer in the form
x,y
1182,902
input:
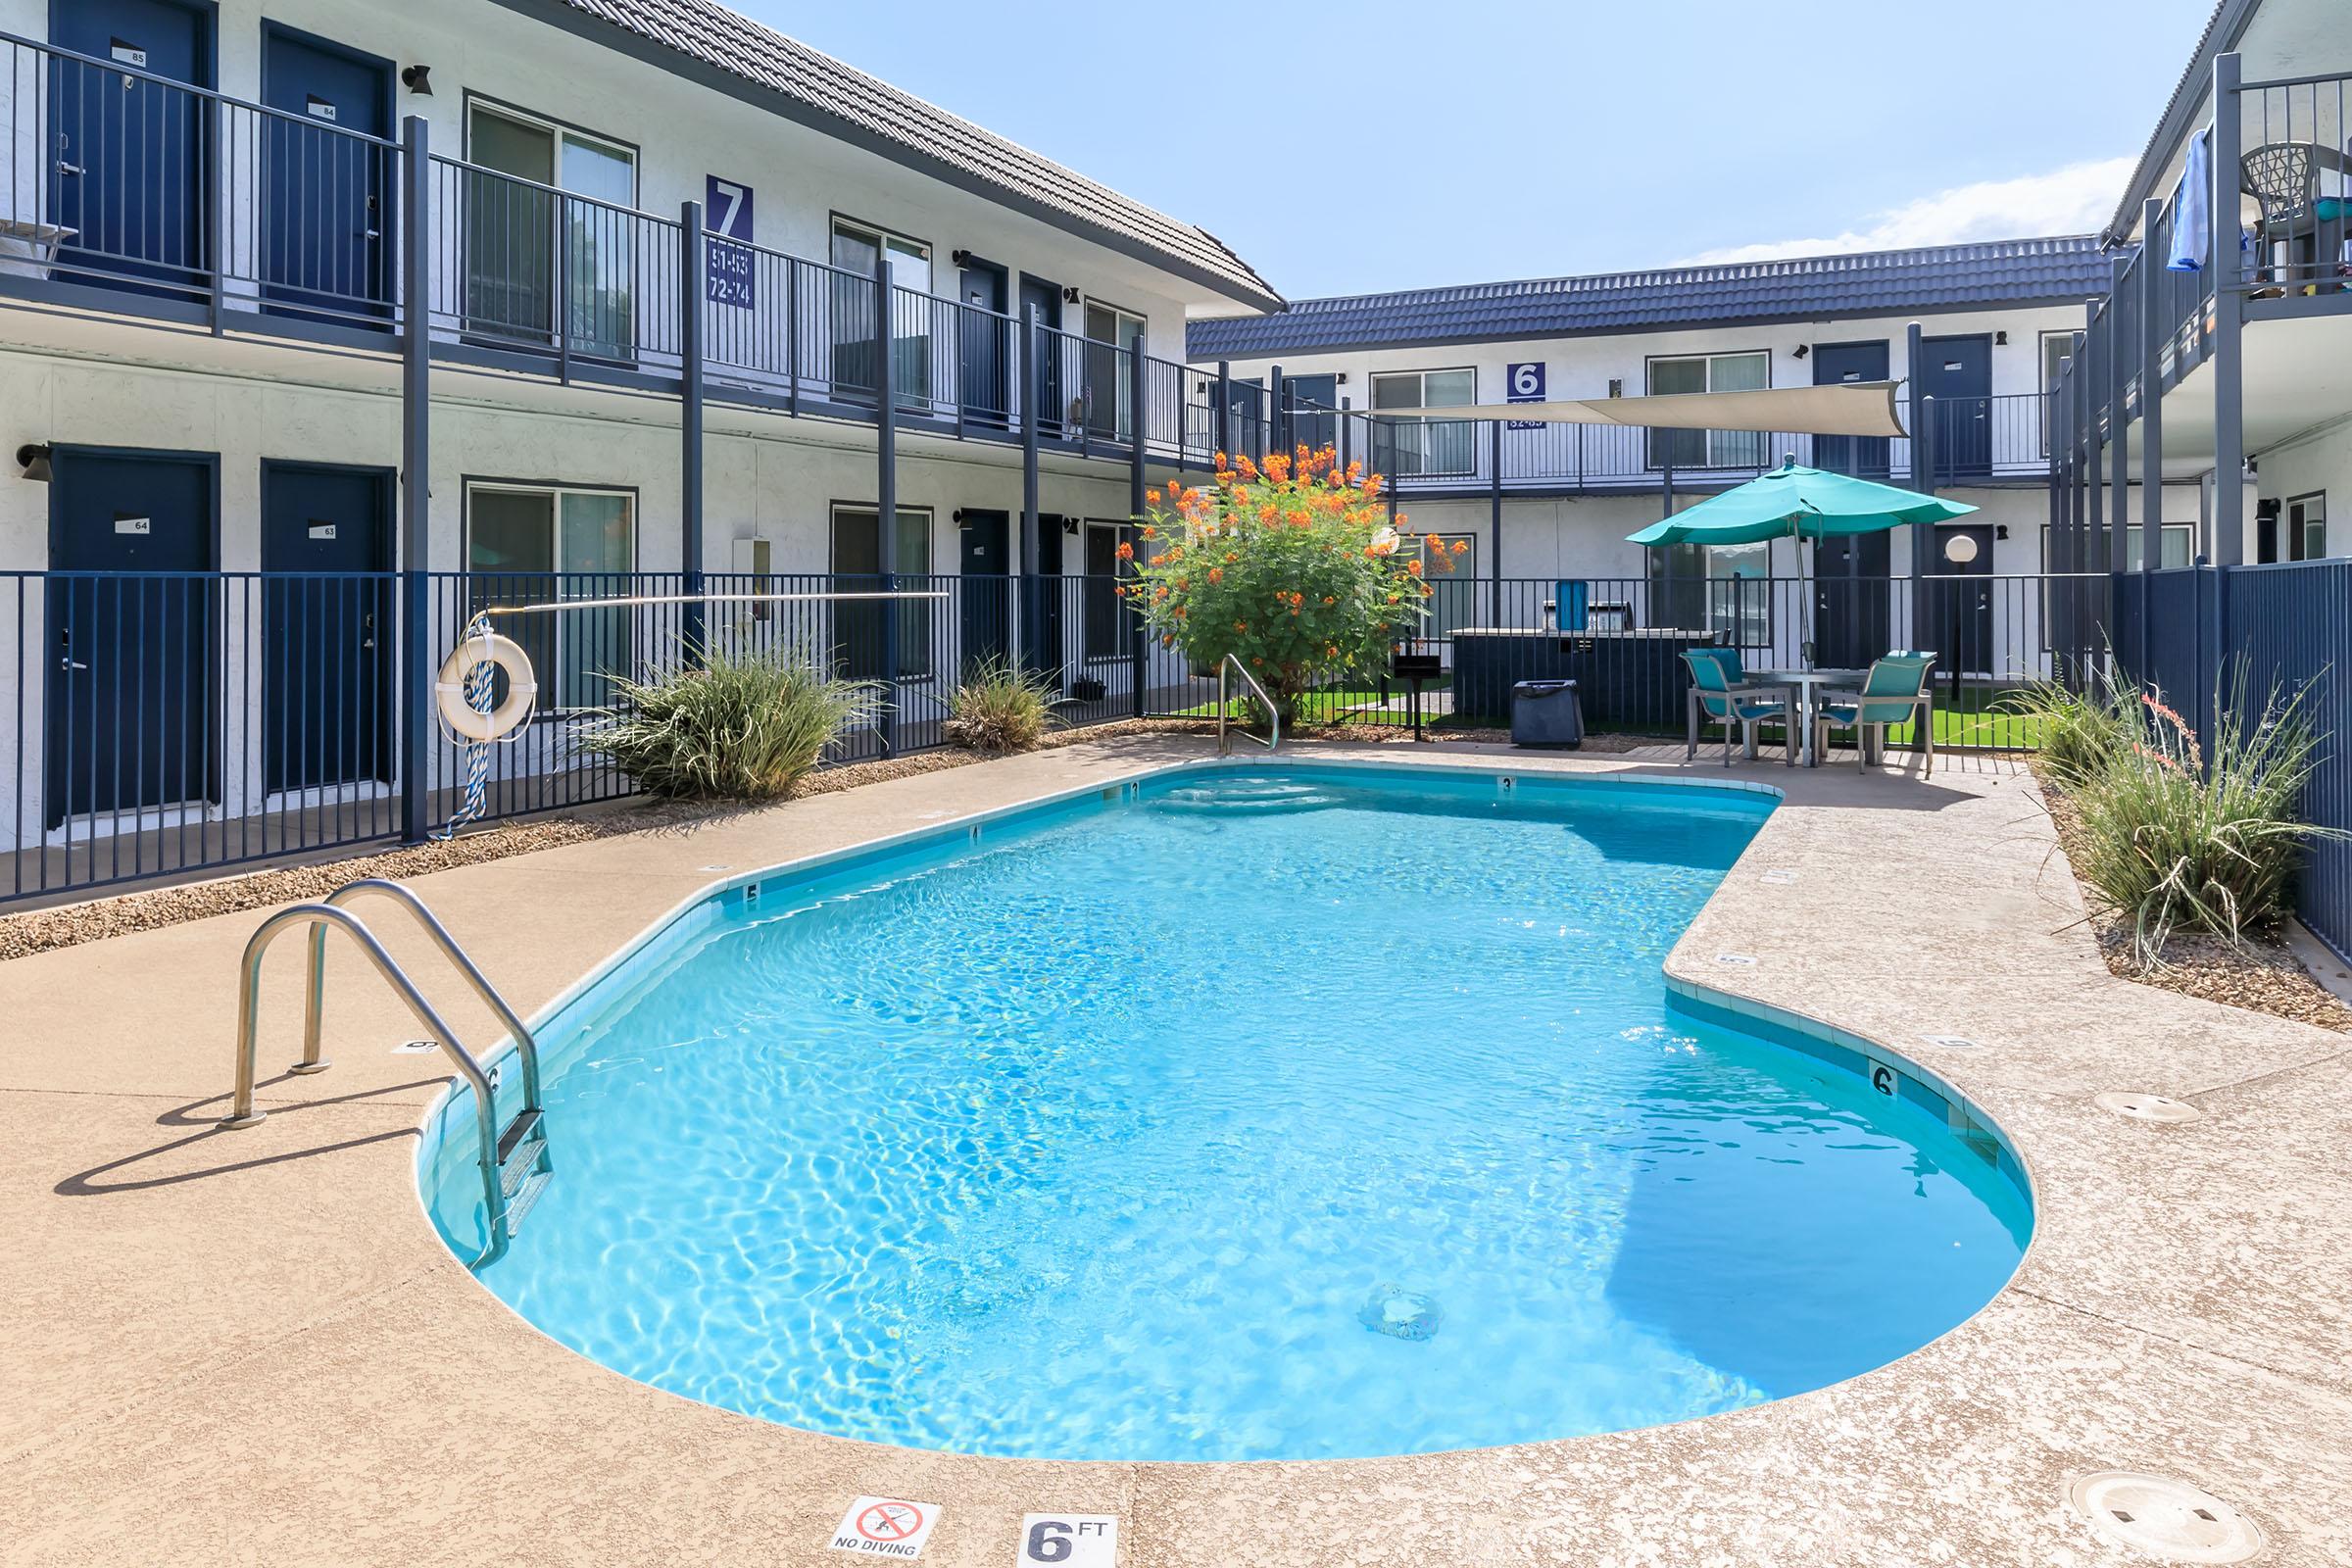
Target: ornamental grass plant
x,y
732,726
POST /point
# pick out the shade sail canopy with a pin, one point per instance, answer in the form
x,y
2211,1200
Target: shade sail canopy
x,y
1804,502
1846,408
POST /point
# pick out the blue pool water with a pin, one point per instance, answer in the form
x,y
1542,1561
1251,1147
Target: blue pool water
x,y
1104,1135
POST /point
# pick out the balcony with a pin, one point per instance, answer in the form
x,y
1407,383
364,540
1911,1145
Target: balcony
x,y
1993,440
128,194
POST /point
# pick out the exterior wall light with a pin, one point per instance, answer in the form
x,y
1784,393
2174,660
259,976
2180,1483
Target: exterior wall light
x,y
418,80
34,458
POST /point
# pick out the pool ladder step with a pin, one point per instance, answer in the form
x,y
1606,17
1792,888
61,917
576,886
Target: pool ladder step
x,y
514,1164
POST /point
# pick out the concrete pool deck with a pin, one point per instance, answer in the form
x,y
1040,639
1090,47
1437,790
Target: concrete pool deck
x,y
248,1347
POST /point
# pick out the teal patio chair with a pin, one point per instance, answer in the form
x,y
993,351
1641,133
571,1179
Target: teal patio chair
x,y
1720,693
1896,691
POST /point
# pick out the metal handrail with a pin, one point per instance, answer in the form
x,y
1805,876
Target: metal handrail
x,y
320,915
1273,714
315,1008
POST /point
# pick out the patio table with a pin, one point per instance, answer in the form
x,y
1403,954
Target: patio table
x,y
1808,684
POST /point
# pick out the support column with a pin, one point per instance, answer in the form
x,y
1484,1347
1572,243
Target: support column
x,y
1139,385
1221,417
2121,360
2083,516
2151,396
418,663
1495,517
1923,478
1032,383
691,252
886,499
1278,415
2228,323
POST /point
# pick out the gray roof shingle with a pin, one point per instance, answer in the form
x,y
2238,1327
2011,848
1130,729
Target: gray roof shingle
x,y
1942,277
813,87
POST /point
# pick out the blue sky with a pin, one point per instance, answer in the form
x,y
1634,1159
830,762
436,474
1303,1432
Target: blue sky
x,y
1466,140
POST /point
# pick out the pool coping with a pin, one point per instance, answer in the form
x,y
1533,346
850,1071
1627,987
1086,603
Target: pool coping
x,y
2180,1308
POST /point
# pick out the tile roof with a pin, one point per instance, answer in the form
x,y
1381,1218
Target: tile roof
x,y
1942,277
813,87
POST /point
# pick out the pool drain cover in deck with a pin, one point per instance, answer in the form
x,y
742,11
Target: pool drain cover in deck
x,y
2164,1518
2146,1107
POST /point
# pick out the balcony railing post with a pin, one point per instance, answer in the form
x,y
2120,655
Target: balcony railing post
x,y
1494,515
1277,416
1347,434
1138,376
792,336
886,500
693,258
213,129
1033,402
416,466
1923,478
2228,322
560,308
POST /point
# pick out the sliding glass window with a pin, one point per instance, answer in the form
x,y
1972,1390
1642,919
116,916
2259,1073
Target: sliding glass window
x,y
857,250
1708,373
537,544
1424,446
548,229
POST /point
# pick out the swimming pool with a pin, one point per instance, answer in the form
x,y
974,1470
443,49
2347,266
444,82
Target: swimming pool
x,y
1292,1112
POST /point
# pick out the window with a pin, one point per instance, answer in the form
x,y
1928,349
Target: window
x,y
857,250
1723,589
1425,446
1708,373
2307,526
1109,623
858,625
1110,333
2176,542
511,230
528,544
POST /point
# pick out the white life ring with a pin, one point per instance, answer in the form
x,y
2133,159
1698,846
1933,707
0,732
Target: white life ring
x,y
448,688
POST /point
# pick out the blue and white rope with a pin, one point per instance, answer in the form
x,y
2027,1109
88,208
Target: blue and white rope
x,y
482,677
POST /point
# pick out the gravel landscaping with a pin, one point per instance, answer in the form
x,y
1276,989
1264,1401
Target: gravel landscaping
x,y
2262,975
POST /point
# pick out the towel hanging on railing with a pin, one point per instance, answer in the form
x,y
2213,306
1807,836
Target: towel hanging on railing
x,y
2192,206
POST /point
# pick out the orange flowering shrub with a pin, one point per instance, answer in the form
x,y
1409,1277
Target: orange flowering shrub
x,y
1291,568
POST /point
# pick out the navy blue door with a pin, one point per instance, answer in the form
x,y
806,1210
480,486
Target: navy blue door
x,y
127,154
131,704
986,590
328,176
1046,299
981,344
325,649
1838,364
1957,373
1045,585
1852,600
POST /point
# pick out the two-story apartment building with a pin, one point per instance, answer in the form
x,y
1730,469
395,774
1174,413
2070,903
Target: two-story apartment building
x,y
2232,300
521,287
1975,332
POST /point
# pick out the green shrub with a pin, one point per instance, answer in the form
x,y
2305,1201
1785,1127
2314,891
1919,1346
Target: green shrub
x,y
2079,732
2172,843
999,706
739,727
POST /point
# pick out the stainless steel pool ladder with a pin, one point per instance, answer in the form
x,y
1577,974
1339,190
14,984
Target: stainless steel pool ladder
x,y
1273,741
515,1161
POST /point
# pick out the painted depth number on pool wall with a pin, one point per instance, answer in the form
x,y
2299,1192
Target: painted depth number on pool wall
x,y
1069,1540
886,1527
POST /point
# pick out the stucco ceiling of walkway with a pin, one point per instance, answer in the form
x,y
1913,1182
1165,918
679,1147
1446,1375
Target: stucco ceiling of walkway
x,y
2298,379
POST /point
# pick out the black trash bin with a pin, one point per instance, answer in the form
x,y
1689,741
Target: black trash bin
x,y
1546,713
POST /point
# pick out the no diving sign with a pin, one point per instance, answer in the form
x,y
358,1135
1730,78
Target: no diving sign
x,y
886,1527
1069,1540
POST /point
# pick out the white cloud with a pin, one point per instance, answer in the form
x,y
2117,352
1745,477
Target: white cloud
x,y
2077,199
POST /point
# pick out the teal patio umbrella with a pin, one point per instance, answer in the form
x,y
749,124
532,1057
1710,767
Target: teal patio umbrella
x,y
1802,504
1791,502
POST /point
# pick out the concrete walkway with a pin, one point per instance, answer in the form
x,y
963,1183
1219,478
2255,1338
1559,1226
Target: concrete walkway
x,y
250,1348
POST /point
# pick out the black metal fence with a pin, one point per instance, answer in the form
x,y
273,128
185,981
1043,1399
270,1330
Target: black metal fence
x,y
159,725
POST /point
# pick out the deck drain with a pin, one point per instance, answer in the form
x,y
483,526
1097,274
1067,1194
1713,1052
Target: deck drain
x,y
1739,960
1777,878
2165,1518
416,1048
2146,1107
1950,1041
